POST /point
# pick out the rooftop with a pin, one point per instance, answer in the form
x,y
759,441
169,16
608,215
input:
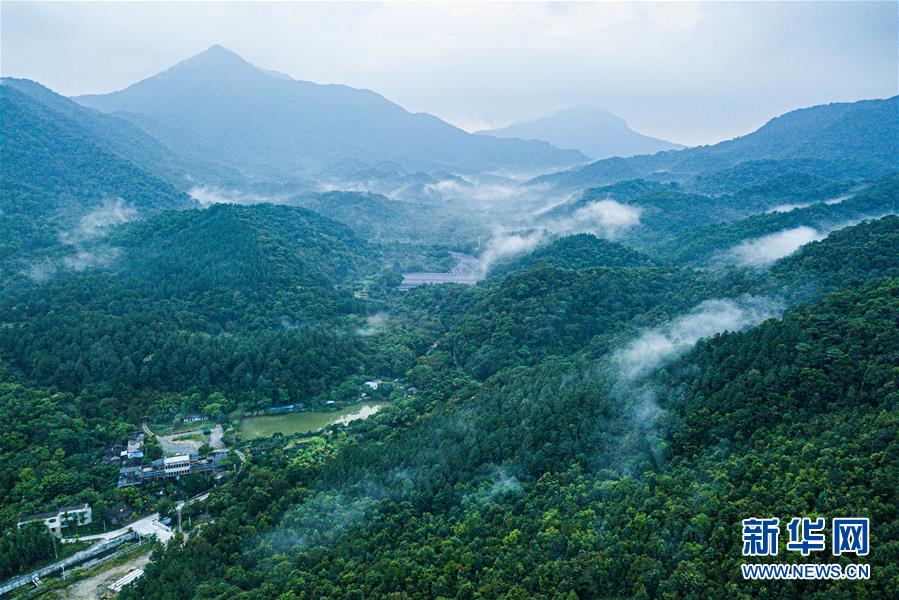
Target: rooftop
x,y
176,459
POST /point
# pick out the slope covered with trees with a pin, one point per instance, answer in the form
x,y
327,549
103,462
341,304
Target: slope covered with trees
x,y
538,480
55,170
246,300
579,424
577,251
707,242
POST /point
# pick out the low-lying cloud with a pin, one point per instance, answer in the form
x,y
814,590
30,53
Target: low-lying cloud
x,y
112,212
87,255
767,249
375,324
82,260
631,366
665,343
782,208
208,195
603,218
484,195
505,245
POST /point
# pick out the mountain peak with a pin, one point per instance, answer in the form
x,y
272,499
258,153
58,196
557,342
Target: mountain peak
x,y
218,61
219,49
217,106
216,56
587,110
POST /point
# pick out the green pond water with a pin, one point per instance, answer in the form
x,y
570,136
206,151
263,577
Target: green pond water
x,y
306,422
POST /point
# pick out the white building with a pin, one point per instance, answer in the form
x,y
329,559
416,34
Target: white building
x,y
67,516
176,465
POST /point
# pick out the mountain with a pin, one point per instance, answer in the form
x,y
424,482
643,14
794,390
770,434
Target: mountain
x,y
759,239
857,139
578,251
221,286
116,135
216,106
595,131
61,163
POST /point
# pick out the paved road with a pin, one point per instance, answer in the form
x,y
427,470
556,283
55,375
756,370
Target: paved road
x,y
149,525
180,506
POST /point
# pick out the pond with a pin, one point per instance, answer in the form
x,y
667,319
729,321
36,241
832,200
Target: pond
x,y
306,422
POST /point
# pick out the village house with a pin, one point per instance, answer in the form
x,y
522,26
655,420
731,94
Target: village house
x,y
67,516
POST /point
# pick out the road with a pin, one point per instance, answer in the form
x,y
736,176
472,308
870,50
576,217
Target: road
x,y
149,525
180,506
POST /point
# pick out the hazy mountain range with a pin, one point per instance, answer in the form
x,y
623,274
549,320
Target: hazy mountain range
x,y
219,107
849,139
595,131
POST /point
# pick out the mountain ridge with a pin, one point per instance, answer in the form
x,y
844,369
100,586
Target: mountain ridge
x,y
595,131
860,136
199,108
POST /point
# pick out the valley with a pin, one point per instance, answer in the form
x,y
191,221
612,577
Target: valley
x,y
312,345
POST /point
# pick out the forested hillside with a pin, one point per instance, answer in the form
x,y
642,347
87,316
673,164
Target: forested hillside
x,y
622,361
707,242
56,171
577,252
536,480
238,299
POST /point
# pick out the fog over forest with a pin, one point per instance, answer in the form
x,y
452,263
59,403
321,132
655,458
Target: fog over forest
x,y
487,300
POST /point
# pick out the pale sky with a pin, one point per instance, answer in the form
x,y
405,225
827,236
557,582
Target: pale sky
x,y
691,73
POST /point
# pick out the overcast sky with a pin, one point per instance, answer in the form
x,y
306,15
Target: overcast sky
x,y
690,73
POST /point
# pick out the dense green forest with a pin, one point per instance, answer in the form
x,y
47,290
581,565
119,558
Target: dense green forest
x,y
516,486
54,168
539,479
246,301
705,243
592,419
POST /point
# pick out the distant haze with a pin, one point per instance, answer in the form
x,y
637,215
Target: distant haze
x,y
595,131
690,73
